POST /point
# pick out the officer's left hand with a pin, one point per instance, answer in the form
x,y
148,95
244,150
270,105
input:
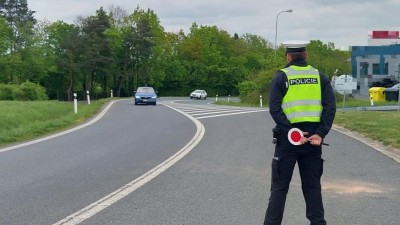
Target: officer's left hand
x,y
315,140
303,139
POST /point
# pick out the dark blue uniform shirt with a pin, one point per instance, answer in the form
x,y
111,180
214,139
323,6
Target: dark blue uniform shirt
x,y
278,91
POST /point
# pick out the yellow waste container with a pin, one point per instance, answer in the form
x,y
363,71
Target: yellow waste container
x,y
377,93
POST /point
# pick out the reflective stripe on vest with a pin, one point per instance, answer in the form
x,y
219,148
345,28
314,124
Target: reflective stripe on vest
x,y
302,102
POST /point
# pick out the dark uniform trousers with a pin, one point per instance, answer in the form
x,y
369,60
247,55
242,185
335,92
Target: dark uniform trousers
x,y
311,168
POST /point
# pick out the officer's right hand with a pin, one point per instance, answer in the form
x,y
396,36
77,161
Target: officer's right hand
x,y
315,140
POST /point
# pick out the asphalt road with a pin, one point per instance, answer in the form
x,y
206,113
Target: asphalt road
x,y
184,162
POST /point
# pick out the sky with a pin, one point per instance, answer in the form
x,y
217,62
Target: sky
x,y
342,22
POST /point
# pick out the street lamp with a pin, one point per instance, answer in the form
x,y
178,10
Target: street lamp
x,y
276,25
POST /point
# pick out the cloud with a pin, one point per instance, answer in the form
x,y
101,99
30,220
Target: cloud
x,y
343,22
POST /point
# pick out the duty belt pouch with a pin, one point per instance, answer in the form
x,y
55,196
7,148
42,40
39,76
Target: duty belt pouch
x,y
276,135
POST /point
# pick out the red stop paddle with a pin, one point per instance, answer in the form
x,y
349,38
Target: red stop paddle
x,y
294,136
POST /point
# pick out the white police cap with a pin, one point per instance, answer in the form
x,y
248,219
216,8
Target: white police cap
x,y
295,46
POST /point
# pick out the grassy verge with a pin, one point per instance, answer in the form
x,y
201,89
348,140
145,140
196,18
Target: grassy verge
x,y
24,120
383,126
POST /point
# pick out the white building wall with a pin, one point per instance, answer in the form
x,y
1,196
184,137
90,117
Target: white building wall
x,y
393,61
366,80
380,42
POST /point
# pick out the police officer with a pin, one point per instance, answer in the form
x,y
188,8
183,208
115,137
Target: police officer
x,y
300,97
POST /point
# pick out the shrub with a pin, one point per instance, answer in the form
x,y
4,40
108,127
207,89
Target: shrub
x,y
6,91
27,91
246,87
32,91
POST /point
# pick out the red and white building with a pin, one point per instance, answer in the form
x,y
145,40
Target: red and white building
x,y
377,62
379,38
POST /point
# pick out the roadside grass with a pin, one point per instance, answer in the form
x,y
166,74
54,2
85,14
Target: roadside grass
x,y
25,120
352,102
383,126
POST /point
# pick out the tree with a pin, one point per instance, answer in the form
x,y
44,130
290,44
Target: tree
x,y
6,40
97,51
327,58
21,21
19,18
65,42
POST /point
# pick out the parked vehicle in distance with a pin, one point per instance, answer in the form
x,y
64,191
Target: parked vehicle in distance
x,y
145,95
396,86
198,94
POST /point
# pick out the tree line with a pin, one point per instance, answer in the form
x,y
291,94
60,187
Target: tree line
x,y
116,51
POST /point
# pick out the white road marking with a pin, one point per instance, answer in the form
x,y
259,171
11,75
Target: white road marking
x,y
386,150
213,111
229,114
199,113
117,195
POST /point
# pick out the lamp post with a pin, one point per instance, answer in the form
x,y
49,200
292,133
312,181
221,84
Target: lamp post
x,y
276,25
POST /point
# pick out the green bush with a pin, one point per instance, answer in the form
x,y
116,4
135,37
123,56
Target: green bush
x,y
6,91
246,87
27,91
33,91
250,91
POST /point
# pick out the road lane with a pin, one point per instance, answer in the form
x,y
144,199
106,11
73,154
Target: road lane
x,y
45,182
225,180
222,181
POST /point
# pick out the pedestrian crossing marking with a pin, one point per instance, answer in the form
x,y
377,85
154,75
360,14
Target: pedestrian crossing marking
x,y
211,111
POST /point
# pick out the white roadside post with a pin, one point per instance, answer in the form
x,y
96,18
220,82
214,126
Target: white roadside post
x,y
261,105
112,94
229,98
398,97
75,104
372,100
88,97
344,90
398,79
216,98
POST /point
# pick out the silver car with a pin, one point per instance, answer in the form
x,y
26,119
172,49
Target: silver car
x,y
198,94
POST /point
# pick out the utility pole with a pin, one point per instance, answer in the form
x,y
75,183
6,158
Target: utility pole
x,y
276,25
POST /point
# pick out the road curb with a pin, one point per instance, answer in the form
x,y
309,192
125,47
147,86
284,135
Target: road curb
x,y
391,152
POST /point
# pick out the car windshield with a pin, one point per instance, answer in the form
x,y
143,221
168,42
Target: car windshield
x,y
197,91
145,90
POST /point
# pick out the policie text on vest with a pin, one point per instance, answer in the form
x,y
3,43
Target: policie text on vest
x,y
303,81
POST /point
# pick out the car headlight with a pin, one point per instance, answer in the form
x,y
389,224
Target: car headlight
x,y
137,96
154,97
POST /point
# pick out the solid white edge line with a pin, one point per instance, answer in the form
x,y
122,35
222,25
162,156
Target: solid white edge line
x,y
94,120
117,195
388,151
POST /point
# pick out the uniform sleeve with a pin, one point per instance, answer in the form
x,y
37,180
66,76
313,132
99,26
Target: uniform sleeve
x,y
278,90
328,107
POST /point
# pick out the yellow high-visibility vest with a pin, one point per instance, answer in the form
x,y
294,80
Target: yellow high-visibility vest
x,y
302,102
